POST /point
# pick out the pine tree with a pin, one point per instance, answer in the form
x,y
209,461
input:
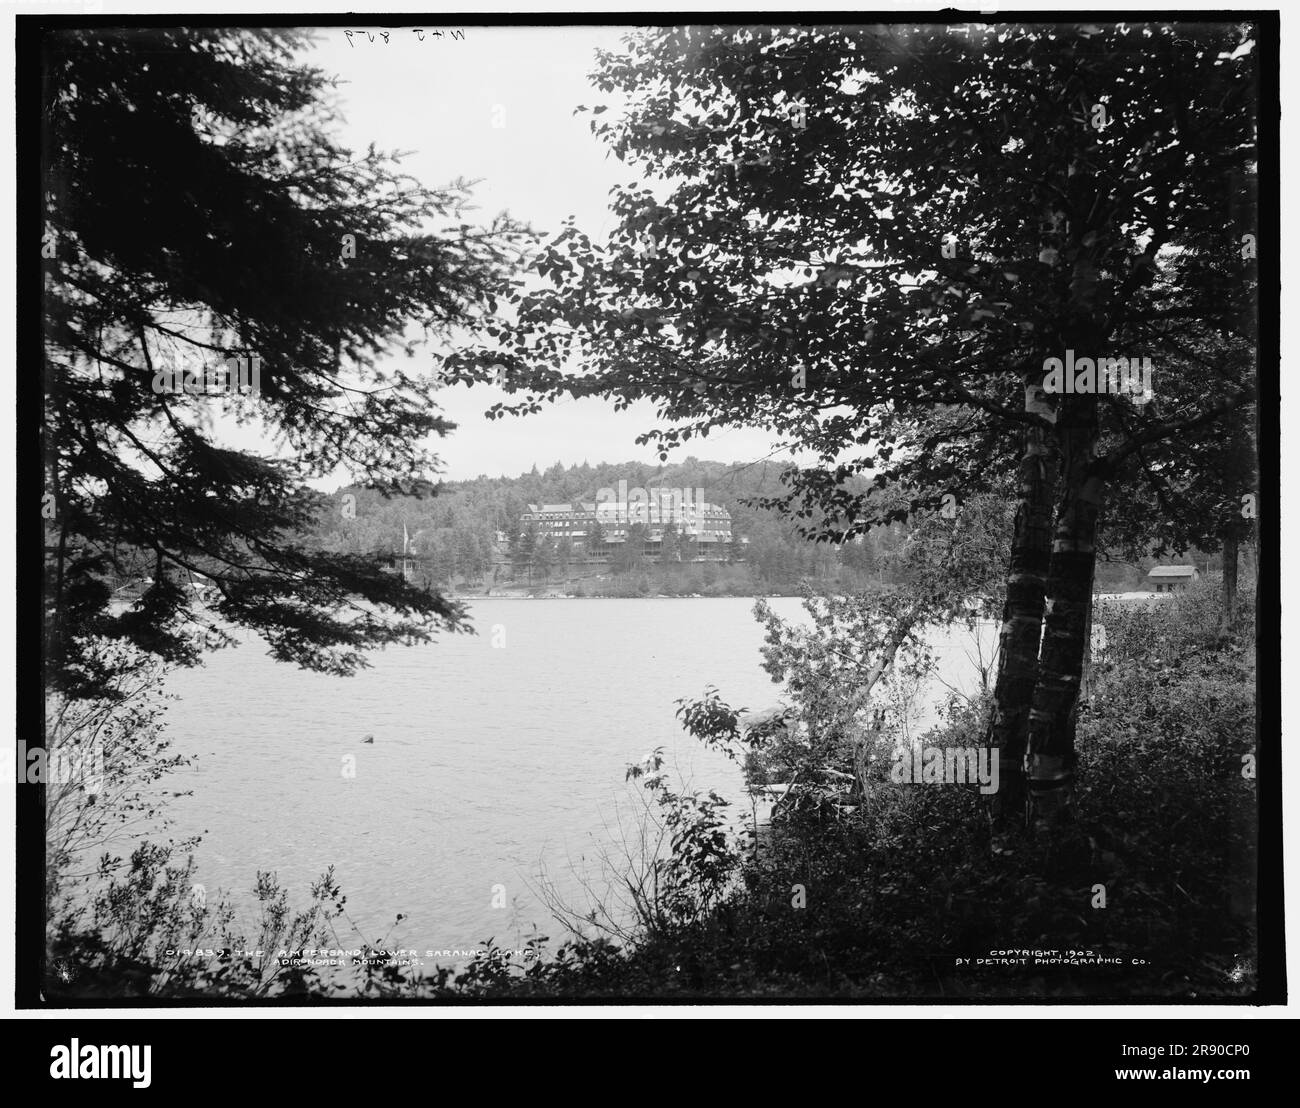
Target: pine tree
x,y
199,211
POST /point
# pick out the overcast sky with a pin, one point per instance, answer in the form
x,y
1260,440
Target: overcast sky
x,y
438,99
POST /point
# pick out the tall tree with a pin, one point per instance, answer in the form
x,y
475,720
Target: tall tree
x,y
563,555
670,547
595,543
628,553
544,557
198,211
871,241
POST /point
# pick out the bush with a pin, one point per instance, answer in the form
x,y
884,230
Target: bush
x,y
880,901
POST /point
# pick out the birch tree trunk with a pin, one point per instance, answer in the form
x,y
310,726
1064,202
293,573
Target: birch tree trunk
x,y
1085,681
1050,760
1022,622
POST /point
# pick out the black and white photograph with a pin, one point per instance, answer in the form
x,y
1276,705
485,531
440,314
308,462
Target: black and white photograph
x,y
668,508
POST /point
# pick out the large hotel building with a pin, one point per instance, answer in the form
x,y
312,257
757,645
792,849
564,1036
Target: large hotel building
x,y
706,526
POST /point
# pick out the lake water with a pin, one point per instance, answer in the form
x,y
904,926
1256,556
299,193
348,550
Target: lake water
x,y
495,757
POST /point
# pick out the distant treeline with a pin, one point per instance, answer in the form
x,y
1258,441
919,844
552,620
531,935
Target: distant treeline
x,y
454,532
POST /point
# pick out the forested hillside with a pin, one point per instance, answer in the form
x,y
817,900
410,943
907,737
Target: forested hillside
x,y
456,528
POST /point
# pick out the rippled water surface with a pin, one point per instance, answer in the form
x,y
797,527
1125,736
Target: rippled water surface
x,y
488,764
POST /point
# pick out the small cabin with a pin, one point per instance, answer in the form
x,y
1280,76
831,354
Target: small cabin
x,y
1171,578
